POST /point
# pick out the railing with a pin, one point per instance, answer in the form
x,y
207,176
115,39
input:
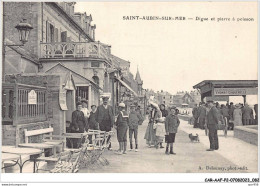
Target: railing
x,y
74,50
16,108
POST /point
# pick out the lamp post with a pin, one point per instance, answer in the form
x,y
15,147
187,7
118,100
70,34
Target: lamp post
x,y
24,29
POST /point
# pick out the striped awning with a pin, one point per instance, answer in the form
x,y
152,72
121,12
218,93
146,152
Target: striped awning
x,y
127,86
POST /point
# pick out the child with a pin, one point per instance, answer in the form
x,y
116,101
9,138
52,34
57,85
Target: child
x,y
172,123
121,127
135,119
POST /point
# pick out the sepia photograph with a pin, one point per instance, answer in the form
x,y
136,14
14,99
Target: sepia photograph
x,y
130,87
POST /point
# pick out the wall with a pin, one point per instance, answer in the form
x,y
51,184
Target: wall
x,y
56,116
59,22
14,63
14,12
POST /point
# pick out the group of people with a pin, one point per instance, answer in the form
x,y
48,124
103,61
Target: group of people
x,y
102,118
236,115
163,124
99,118
125,121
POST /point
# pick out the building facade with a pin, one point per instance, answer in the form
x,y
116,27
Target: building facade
x,y
61,62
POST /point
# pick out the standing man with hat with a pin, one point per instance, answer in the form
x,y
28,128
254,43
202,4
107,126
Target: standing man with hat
x,y
202,115
212,124
105,117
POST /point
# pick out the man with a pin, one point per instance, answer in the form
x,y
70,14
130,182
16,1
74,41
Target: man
x,y
202,115
78,124
247,115
231,111
105,117
225,113
195,116
93,124
172,123
85,111
138,110
135,119
256,114
212,124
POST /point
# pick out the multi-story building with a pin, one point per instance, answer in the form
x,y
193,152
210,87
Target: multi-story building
x,y
61,61
165,98
186,98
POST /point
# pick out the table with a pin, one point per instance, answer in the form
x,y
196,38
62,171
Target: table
x,y
80,136
9,157
32,152
41,146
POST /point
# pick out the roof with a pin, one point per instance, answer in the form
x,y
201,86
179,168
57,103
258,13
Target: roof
x,y
59,64
228,83
121,62
71,19
23,52
138,77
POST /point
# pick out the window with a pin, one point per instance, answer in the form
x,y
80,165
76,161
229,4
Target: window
x,y
64,36
49,32
94,64
163,97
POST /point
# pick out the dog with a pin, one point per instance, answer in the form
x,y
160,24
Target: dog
x,y
194,138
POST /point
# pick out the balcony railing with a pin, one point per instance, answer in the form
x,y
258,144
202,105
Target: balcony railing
x,y
74,50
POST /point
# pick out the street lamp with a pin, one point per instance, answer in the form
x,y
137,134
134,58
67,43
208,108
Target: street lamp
x,y
24,29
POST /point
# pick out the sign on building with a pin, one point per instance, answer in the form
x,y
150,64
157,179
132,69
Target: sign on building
x,y
217,98
62,99
32,97
235,91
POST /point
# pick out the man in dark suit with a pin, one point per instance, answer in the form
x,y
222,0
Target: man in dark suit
x,y
212,123
202,115
195,115
105,117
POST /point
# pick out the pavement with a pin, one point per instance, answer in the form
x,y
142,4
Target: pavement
x,y
234,155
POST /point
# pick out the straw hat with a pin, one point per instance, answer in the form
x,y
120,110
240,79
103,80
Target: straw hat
x,y
238,106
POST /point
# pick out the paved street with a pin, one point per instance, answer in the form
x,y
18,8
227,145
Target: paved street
x,y
190,158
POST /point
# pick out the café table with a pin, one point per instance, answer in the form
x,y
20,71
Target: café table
x,y
32,152
41,146
9,157
80,136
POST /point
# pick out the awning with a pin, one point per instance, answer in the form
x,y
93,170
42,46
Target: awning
x,y
127,86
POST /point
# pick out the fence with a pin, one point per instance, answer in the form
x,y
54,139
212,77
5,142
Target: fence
x,y
16,108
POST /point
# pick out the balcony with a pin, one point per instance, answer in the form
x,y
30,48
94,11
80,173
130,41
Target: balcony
x,y
74,50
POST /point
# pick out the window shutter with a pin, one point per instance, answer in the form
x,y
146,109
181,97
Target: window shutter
x,y
56,35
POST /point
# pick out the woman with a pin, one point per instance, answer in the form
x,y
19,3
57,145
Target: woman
x,y
237,114
121,126
160,130
163,110
172,123
154,115
79,124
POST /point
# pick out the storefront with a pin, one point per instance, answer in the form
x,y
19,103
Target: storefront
x,y
219,90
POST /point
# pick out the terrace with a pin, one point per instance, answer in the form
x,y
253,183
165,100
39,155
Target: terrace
x,y
74,50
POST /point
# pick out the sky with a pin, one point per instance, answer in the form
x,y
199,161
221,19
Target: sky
x,y
175,55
